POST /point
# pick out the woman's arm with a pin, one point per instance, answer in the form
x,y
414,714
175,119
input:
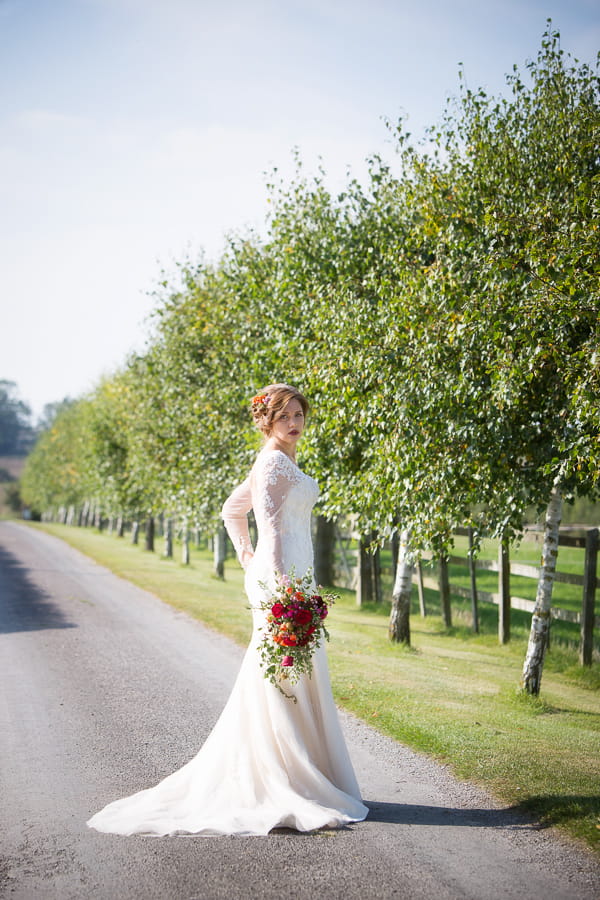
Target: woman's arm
x,y
235,516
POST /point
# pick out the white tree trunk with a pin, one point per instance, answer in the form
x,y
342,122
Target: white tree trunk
x,y
399,627
540,622
169,538
185,544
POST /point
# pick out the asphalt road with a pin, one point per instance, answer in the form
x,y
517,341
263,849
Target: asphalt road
x,y
105,690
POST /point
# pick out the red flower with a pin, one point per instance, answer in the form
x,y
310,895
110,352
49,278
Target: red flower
x,y
302,617
293,625
308,637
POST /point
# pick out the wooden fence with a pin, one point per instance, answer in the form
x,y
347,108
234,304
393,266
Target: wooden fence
x,y
588,582
440,582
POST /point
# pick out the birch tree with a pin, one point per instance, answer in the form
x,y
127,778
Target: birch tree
x,y
399,627
540,622
511,213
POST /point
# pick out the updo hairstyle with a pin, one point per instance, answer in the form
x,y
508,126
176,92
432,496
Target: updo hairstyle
x,y
269,402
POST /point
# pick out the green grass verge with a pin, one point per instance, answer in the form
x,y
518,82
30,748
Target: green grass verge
x,y
453,694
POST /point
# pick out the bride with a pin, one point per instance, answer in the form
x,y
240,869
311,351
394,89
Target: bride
x,y
269,762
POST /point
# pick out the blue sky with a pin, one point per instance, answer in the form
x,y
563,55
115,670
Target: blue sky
x,y
134,132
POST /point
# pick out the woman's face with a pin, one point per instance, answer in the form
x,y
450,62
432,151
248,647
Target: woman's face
x,y
288,424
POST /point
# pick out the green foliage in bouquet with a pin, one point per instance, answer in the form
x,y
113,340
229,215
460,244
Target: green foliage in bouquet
x,y
294,628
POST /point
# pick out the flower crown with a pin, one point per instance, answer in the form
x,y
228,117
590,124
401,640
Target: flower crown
x,y
260,400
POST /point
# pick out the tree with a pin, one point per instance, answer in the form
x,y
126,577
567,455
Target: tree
x,y
16,434
51,411
508,367
533,162
57,471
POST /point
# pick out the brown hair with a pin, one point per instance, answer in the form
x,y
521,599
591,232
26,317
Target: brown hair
x,y
270,401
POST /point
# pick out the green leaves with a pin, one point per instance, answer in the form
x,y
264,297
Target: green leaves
x,y
442,320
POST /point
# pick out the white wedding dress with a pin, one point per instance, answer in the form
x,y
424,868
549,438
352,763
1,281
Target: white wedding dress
x,y
268,762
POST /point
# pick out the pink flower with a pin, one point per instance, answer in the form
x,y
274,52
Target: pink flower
x,y
287,661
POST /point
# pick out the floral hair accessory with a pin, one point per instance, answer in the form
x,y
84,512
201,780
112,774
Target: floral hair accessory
x,y
261,399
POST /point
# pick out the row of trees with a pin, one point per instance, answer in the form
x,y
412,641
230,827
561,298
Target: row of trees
x,y
442,317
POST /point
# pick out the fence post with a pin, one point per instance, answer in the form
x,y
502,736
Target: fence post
x,y
377,586
445,592
589,597
474,607
504,591
422,606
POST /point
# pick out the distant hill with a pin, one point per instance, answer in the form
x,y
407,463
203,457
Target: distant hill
x,y
13,465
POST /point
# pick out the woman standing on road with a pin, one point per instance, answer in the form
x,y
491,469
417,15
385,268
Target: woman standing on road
x,y
271,760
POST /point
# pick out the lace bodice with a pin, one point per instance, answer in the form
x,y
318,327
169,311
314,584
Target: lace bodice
x,y
282,497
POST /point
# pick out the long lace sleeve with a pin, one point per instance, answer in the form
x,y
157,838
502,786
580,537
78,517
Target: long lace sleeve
x,y
271,480
235,517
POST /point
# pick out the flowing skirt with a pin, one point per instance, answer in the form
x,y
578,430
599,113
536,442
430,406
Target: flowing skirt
x,y
268,763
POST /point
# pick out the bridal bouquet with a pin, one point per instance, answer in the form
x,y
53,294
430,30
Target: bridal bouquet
x,y
294,628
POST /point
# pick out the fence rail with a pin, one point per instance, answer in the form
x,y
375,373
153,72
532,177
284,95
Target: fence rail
x,y
589,582
525,571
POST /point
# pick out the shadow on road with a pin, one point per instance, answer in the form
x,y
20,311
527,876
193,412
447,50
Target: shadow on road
x,y
415,814
24,606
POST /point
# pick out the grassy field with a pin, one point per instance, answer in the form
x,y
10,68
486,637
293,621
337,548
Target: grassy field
x,y
453,694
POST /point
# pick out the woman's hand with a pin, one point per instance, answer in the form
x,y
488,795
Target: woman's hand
x,y
246,558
